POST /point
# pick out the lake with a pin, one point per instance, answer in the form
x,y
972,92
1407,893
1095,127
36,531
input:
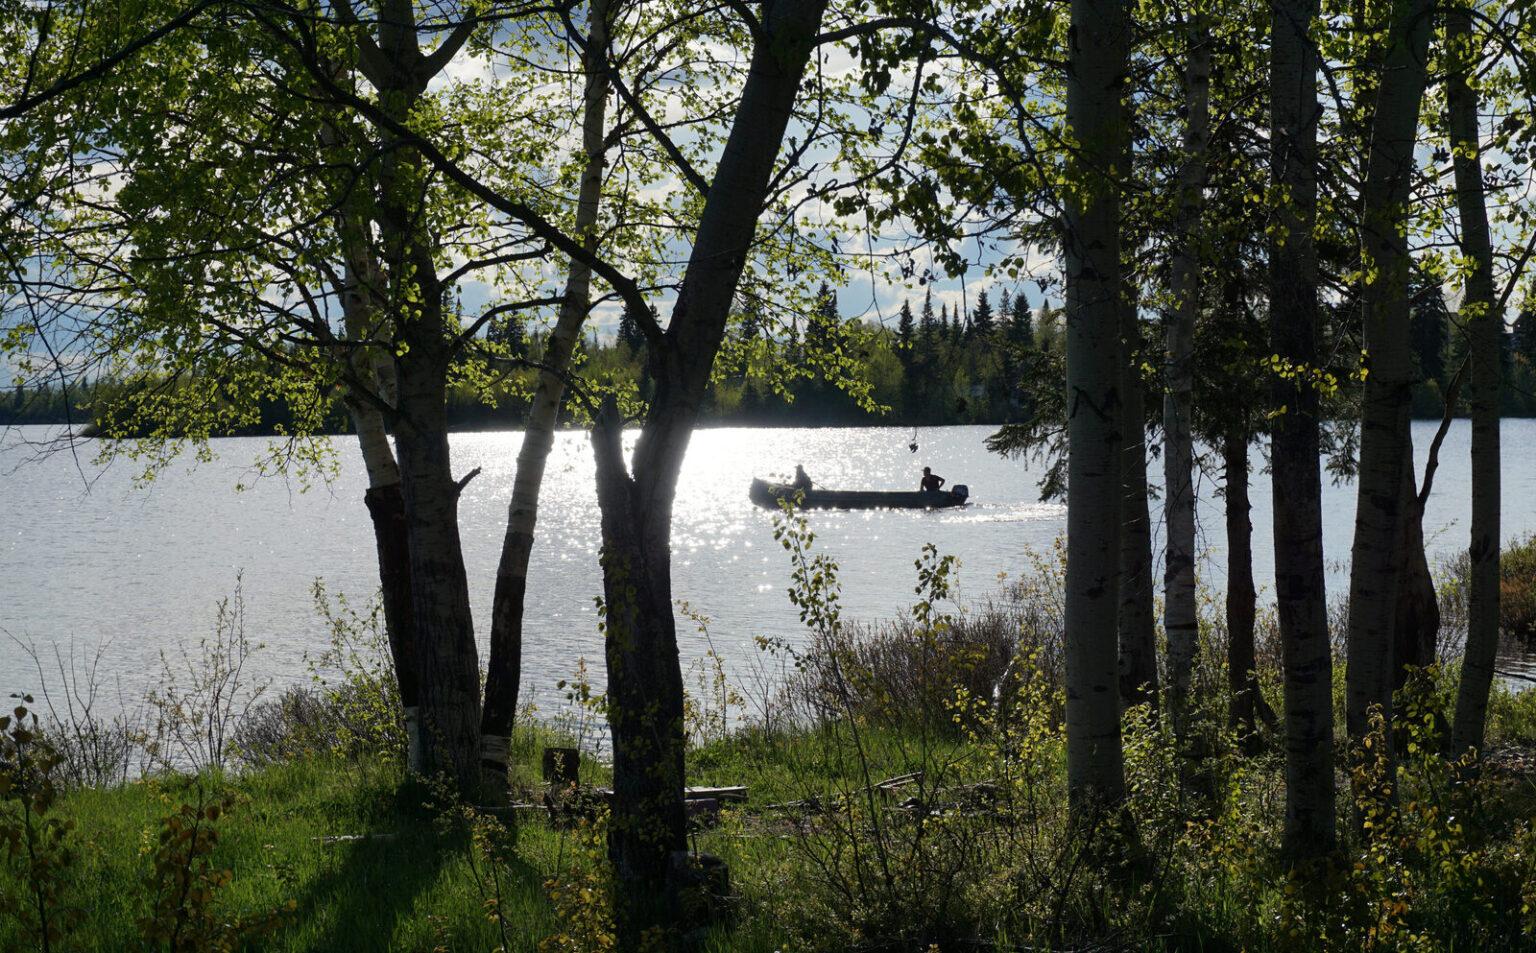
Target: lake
x,y
91,563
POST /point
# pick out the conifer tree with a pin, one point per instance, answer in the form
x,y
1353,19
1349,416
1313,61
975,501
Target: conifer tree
x,y
752,321
982,321
1429,327
629,334
1021,325
905,328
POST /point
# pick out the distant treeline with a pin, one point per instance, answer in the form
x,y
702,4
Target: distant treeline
x,y
986,366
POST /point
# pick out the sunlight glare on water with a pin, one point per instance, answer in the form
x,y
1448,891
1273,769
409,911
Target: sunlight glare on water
x,y
101,565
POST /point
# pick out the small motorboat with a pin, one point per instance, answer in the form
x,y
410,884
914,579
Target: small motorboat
x,y
770,495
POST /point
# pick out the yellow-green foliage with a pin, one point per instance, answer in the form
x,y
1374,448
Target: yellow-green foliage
x,y
1517,589
582,898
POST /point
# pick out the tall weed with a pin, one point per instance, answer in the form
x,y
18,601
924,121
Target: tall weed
x,y
92,748
202,699
935,809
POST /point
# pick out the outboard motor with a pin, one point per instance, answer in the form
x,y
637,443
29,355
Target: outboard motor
x,y
960,490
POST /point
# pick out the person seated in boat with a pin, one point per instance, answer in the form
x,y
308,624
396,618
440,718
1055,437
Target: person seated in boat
x,y
931,481
802,479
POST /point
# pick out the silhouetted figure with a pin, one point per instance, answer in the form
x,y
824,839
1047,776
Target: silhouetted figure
x,y
931,481
802,480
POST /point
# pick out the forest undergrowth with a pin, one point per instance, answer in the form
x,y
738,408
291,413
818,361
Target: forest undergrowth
x,y
905,787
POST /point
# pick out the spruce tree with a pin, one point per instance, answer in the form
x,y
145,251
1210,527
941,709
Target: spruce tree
x,y
1523,341
1021,325
629,333
1429,328
905,326
751,319
508,330
821,321
982,320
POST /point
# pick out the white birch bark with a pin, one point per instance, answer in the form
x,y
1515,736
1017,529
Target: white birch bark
x,y
503,667
1096,74
1385,442
369,389
1179,606
1300,593
1484,326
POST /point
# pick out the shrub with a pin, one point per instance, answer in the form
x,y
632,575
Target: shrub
x,y
32,838
352,707
909,671
1517,588
90,748
184,886
201,701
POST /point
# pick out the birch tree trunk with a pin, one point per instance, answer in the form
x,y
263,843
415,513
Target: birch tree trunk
x,y
1242,680
1096,75
445,640
1300,595
1416,619
1180,625
1484,326
1385,443
504,668
369,391
1137,617
371,388
645,690
362,303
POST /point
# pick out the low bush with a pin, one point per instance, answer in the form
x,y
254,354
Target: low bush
x,y
351,706
1517,588
908,672
1517,592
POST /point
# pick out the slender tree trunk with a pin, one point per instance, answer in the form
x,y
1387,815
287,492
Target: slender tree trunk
x,y
1385,443
1180,622
446,655
1416,620
1095,78
1300,594
362,302
1242,678
1484,325
645,694
1137,616
504,668
370,390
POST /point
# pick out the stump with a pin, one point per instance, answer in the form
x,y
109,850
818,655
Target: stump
x,y
561,765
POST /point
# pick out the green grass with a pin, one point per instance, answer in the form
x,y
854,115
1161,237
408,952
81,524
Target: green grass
x,y
380,891
359,856
414,873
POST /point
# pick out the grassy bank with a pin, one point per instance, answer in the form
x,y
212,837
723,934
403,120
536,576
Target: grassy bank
x,y
872,839
905,791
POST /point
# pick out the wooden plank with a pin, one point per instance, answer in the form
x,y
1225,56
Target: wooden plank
x,y
732,793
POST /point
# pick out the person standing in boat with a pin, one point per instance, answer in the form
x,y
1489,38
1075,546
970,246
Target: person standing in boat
x,y
802,479
931,481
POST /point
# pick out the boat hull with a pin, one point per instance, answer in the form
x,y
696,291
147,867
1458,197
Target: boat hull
x,y
769,495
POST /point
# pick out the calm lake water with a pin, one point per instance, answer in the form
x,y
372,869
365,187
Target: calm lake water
x,y
90,563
